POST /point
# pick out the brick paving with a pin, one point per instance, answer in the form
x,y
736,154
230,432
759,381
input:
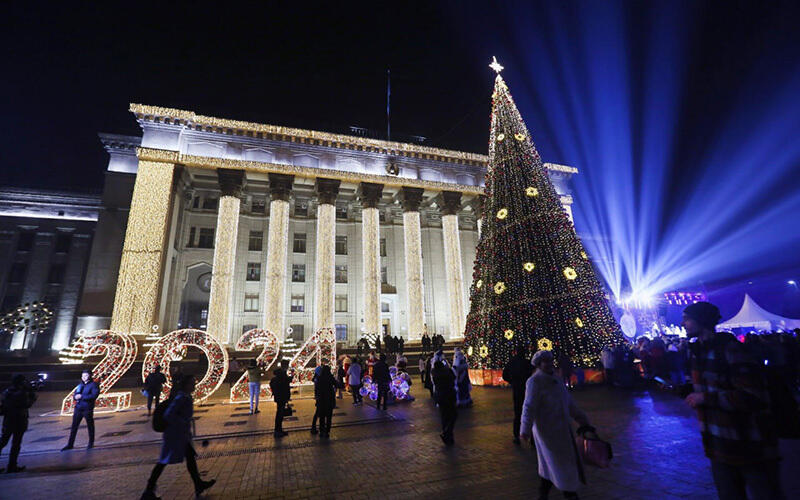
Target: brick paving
x,y
373,455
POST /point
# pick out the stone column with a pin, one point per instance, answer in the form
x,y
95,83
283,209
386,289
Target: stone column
x,y
280,187
220,307
371,247
140,270
324,270
412,242
452,262
478,206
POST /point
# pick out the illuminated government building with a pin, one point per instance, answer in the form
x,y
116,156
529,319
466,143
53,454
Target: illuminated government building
x,y
225,226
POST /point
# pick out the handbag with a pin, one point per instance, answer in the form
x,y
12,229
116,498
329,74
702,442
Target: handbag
x,y
593,450
288,411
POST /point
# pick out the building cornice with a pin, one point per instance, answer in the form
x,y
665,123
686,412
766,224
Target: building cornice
x,y
189,119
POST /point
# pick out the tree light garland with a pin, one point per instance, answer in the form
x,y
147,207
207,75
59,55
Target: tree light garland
x,y
119,350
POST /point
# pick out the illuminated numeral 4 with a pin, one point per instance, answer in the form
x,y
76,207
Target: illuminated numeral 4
x,y
247,342
172,347
120,352
320,346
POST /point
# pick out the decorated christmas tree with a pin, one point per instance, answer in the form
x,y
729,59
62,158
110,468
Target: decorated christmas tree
x,y
533,285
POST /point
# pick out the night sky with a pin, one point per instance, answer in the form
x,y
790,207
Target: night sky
x,y
72,69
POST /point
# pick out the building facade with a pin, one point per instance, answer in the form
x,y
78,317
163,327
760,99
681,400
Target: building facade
x,y
225,226
45,238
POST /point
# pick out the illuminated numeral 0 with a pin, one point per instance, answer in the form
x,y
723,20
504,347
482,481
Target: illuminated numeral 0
x,y
248,342
120,352
172,347
322,346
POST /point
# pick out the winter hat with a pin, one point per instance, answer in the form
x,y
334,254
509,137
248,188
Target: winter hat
x,y
541,356
705,313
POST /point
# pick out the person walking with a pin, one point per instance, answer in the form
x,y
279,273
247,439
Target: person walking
x,y
516,373
381,377
732,403
153,385
340,376
426,344
428,379
546,415
176,443
15,403
254,385
281,394
565,367
354,380
325,396
463,384
445,395
422,368
84,396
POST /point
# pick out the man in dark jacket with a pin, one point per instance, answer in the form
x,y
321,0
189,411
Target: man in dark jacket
x,y
16,401
153,384
380,375
732,403
281,393
85,396
516,373
445,394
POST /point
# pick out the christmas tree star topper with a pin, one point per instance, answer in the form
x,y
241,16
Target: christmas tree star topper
x,y
496,65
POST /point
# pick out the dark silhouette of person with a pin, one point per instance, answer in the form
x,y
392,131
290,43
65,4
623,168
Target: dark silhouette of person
x,y
85,396
516,373
444,381
153,384
16,401
325,396
281,393
380,375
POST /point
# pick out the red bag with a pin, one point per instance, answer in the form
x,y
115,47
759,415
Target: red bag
x,y
593,450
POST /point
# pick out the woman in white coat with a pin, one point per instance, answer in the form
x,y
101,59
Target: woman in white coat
x,y
546,414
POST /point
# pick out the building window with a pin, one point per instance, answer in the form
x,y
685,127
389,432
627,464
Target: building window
x,y
17,272
383,247
341,211
341,333
299,245
382,216
384,277
210,203
384,307
206,238
192,233
299,273
341,245
251,302
341,274
196,202
298,303
341,304
253,271
247,328
25,241
301,209
56,274
256,240
297,333
63,241
259,206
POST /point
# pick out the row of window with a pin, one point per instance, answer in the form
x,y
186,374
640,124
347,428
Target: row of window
x,y
16,274
26,239
259,206
255,242
299,273
298,303
298,333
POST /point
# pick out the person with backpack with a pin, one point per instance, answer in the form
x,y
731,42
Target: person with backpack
x,y
730,395
84,396
153,385
281,393
254,385
15,403
176,413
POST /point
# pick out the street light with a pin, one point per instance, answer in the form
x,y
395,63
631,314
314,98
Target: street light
x,y
791,282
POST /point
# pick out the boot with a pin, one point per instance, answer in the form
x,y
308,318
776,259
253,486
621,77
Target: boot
x,y
202,486
149,495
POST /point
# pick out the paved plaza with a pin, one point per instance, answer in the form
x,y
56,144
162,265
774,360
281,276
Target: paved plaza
x,y
372,454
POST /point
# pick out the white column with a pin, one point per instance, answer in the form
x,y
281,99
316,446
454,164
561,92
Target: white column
x,y
324,274
370,241
277,247
412,242
454,274
220,310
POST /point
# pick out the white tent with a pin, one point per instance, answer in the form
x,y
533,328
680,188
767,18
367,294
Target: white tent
x,y
752,315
